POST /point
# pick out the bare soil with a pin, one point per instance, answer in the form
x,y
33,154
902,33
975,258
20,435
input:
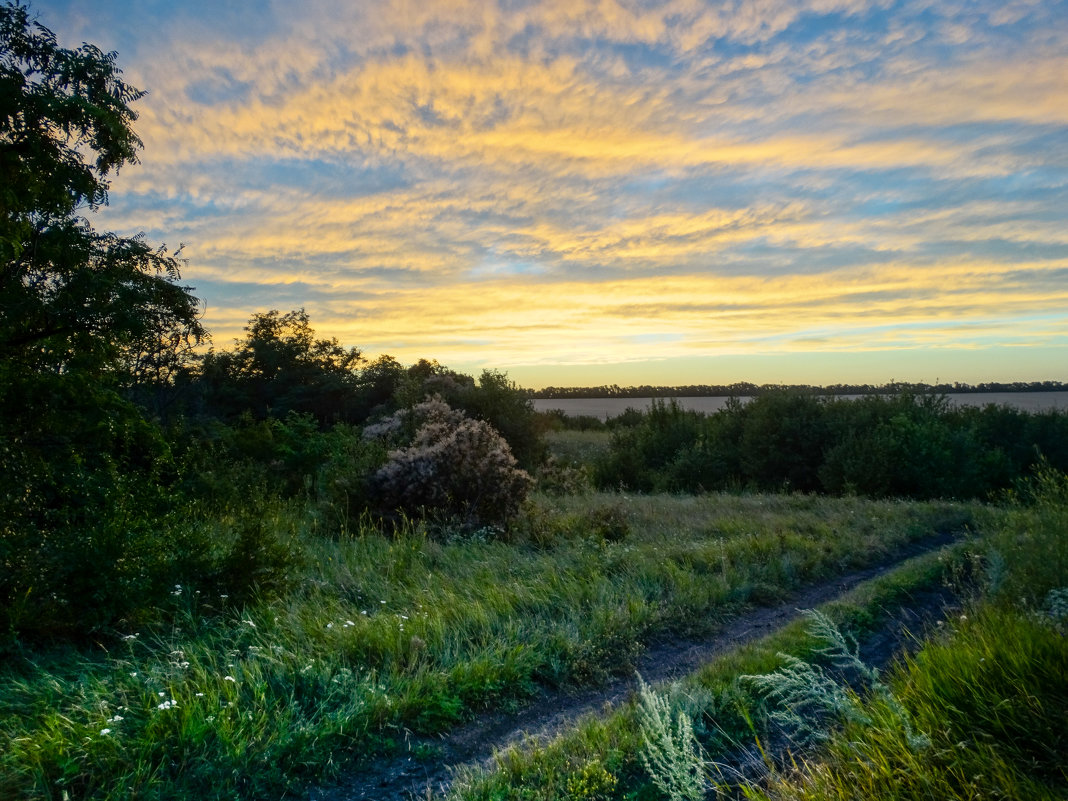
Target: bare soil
x,y
412,774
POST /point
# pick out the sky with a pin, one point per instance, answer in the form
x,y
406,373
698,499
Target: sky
x,y
615,191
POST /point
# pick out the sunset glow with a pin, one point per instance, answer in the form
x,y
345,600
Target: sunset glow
x,y
619,191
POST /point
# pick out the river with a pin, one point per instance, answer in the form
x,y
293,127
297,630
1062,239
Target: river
x,y
604,408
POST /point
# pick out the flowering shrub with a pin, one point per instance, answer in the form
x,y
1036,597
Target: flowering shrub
x,y
453,468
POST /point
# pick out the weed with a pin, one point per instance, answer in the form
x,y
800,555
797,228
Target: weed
x,y
670,754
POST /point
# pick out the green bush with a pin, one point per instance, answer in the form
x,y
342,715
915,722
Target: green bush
x,y
900,446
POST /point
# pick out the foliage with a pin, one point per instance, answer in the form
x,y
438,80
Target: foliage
x,y
72,298
492,398
992,694
879,446
670,754
370,635
85,478
558,478
280,367
453,468
807,695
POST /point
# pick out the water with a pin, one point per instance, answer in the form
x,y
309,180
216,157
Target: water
x,y
604,408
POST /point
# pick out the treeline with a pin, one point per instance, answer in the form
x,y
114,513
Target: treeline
x,y
748,390
904,445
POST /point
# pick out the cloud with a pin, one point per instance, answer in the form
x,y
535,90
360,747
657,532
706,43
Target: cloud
x,y
521,182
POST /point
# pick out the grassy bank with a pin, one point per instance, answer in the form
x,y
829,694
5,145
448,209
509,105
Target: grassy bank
x,y
386,634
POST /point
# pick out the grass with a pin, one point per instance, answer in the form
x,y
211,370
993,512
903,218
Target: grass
x,y
984,699
384,635
722,711
989,689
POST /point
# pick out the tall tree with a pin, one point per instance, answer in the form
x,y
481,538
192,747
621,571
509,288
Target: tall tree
x,y
71,297
281,367
82,472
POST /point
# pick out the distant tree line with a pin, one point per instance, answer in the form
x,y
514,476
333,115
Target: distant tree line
x,y
748,390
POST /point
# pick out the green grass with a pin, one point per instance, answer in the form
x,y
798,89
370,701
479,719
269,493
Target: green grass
x,y
723,711
988,691
387,634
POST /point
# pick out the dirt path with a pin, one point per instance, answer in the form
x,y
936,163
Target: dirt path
x,y
551,711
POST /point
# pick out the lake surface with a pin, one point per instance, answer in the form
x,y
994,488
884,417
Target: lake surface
x,y
604,408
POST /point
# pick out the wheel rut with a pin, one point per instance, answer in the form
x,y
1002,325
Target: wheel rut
x,y
550,711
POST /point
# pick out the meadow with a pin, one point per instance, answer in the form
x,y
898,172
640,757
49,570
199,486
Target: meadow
x,y
279,569
381,637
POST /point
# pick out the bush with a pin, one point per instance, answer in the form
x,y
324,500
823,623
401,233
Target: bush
x,y
454,469
562,478
83,496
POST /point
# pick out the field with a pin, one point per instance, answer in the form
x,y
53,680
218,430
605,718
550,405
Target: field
x,y
385,643
283,570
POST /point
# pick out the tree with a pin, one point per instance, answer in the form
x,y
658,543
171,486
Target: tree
x,y
83,474
72,298
281,367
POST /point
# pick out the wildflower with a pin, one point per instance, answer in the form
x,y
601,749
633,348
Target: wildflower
x,y
349,623
105,731
364,612
330,625
133,673
200,695
161,694
171,704
129,637
115,719
229,678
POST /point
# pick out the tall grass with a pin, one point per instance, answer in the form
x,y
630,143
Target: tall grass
x,y
989,688
382,635
986,691
724,716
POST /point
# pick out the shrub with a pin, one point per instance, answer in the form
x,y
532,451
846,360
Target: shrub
x,y
562,478
454,469
607,523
